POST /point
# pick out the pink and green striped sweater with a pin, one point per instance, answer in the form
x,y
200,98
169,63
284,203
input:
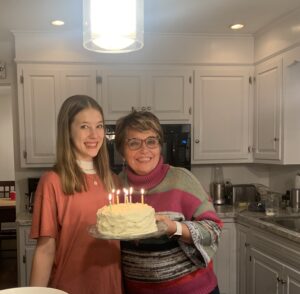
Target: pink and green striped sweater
x,y
162,265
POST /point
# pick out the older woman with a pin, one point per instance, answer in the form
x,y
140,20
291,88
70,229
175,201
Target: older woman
x,y
180,261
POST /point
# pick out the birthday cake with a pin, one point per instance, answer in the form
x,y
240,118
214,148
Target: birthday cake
x,y
126,220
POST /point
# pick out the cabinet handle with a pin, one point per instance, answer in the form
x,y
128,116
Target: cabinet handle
x,y
190,110
283,281
276,139
247,244
132,109
149,108
24,259
143,108
197,141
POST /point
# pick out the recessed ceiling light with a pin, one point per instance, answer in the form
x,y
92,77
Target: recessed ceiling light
x,y
57,22
237,26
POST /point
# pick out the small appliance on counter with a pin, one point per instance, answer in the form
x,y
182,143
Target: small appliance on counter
x,y
32,184
218,186
295,200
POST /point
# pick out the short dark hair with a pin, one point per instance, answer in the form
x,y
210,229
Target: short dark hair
x,y
139,121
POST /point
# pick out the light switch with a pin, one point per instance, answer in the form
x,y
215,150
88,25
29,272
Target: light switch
x,y
2,70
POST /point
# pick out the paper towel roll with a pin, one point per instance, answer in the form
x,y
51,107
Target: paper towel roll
x,y
297,181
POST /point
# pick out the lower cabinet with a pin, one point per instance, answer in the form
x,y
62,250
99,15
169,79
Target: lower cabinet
x,y
242,257
267,263
26,247
225,258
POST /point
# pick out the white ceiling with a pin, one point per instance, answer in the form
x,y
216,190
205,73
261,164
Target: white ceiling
x,y
161,16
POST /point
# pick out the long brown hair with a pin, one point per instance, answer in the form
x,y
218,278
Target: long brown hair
x,y
71,175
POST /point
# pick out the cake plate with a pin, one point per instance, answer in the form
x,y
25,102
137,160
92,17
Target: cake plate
x,y
161,230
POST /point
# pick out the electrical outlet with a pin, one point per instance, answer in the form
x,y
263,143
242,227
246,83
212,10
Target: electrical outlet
x,y
2,71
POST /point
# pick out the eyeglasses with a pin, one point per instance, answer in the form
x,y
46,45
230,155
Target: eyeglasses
x,y
135,143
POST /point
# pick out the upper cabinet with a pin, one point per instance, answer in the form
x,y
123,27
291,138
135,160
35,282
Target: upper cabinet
x,y
42,88
167,93
267,110
222,115
277,104
41,91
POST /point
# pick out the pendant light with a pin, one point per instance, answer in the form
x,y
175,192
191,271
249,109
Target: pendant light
x,y
113,26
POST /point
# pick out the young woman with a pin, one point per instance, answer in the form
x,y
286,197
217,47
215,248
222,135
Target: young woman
x,y
181,261
66,202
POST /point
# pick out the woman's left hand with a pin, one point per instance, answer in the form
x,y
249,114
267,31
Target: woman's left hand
x,y
170,224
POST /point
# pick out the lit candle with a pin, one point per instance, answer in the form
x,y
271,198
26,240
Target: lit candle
x,y
118,200
130,194
125,195
113,196
142,195
109,199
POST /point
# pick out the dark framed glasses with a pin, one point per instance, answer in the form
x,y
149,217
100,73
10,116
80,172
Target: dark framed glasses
x,y
150,142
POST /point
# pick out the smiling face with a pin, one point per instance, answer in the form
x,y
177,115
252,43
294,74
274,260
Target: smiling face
x,y
143,160
87,134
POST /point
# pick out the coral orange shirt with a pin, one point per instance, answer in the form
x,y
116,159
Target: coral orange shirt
x,y
83,264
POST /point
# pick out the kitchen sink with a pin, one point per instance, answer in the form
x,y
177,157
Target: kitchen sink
x,y
288,222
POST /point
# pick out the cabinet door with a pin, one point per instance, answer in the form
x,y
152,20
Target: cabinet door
x,y
77,82
170,94
221,116
291,280
242,258
29,252
41,93
267,110
122,91
264,273
225,260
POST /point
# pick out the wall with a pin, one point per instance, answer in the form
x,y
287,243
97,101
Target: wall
x,y
235,173
175,49
7,169
278,37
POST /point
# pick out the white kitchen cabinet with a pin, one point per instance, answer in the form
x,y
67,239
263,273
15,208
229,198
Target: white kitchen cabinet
x,y
274,264
167,93
277,104
264,273
222,115
242,258
123,90
26,248
225,262
41,91
267,110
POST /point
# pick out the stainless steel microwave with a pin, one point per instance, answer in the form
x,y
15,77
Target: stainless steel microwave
x,y
176,149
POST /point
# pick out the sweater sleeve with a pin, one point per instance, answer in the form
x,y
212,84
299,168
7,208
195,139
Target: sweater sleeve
x,y
205,235
205,226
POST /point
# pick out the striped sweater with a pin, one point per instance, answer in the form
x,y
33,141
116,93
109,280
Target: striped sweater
x,y
164,266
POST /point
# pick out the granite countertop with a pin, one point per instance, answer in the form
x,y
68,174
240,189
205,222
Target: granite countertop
x,y
238,214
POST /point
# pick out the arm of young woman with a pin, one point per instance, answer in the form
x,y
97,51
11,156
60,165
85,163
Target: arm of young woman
x,y
42,262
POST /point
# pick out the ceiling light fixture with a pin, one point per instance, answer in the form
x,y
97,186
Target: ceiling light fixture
x,y
237,26
113,26
57,22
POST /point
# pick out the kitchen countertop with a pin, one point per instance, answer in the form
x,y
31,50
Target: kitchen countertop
x,y
239,214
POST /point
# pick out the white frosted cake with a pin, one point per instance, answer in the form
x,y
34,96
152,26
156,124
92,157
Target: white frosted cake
x,y
126,220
